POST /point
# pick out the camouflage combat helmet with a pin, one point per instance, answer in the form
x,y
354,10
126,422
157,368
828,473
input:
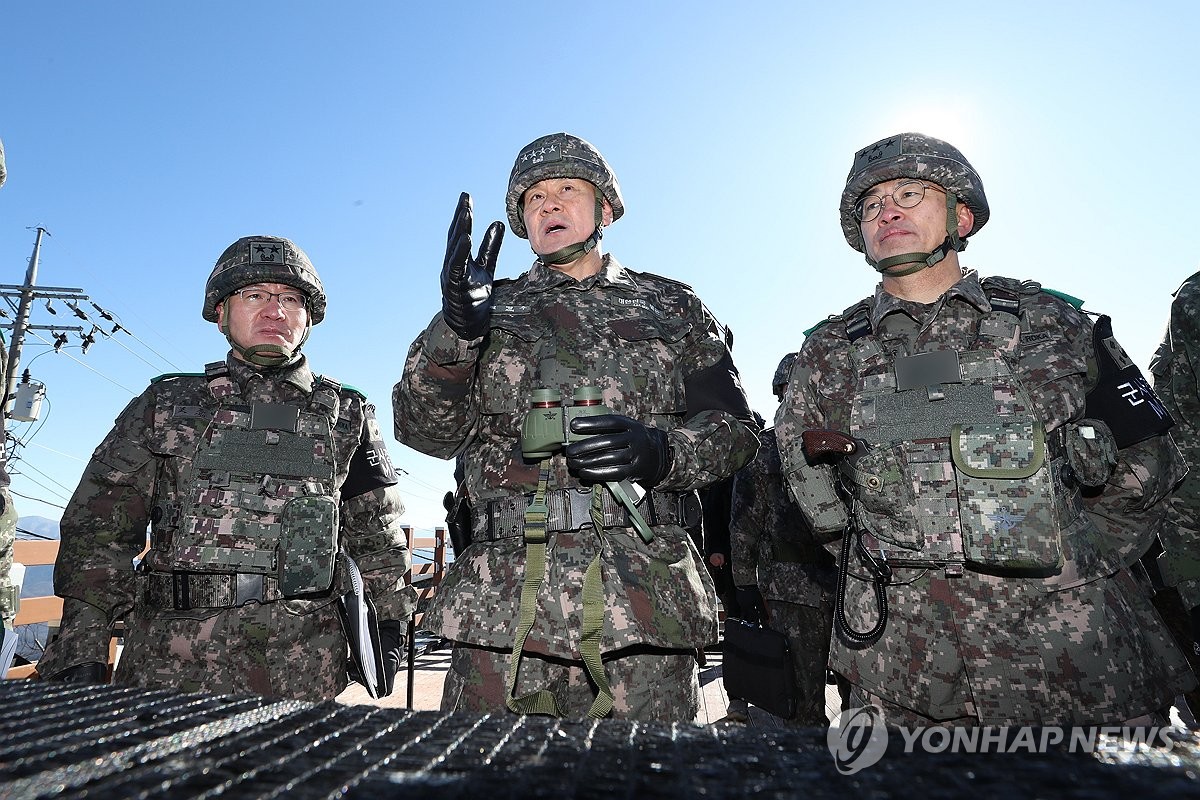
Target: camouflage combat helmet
x,y
263,259
782,373
3,171
561,155
914,155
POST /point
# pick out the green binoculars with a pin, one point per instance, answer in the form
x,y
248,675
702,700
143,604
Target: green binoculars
x,y
547,425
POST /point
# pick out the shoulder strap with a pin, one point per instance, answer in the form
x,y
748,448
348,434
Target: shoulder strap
x,y
858,320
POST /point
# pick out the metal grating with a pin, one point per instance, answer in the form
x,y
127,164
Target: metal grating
x,y
103,741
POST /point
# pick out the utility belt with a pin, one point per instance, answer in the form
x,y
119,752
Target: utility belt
x,y
571,509
184,591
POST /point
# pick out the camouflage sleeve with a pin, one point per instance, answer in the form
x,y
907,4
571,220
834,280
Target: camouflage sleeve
x,y
1180,535
717,439
370,522
8,535
1057,354
435,404
817,397
103,528
376,541
748,517
1184,380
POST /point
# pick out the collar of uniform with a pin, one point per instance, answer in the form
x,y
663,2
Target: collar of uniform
x,y
298,374
967,289
542,277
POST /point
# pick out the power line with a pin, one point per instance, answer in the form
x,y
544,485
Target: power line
x,y
35,499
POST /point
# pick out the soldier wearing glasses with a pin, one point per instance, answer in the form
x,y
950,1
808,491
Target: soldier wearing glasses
x,y
255,478
984,460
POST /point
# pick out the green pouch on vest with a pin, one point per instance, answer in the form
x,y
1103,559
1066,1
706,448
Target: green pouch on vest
x,y
882,482
307,545
1006,498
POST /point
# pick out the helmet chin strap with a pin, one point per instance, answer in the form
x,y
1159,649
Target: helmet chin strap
x,y
268,355
574,252
920,261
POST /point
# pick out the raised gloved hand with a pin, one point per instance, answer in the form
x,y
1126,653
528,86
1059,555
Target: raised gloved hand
x,y
751,605
394,645
88,672
466,281
618,447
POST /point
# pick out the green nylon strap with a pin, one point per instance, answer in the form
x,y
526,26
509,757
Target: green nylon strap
x,y
541,701
593,617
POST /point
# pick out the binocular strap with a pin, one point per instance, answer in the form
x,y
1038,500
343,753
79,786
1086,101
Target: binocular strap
x,y
542,701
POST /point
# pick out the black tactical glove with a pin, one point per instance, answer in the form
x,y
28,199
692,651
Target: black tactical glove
x,y
617,448
394,645
750,603
467,282
88,672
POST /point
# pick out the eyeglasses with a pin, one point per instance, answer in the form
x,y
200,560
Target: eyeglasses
x,y
906,195
259,298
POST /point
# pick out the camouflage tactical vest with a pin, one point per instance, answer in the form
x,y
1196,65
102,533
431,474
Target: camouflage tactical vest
x,y
960,472
259,496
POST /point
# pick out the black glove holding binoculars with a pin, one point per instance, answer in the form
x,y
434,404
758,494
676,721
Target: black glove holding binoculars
x,y
618,448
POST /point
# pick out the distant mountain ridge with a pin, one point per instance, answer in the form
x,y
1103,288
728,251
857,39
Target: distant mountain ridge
x,y
37,528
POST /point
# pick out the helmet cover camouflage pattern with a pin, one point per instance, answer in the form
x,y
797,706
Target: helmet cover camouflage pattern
x,y
911,155
782,372
263,259
559,155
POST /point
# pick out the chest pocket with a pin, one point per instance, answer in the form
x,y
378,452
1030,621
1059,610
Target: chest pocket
x,y
649,366
508,369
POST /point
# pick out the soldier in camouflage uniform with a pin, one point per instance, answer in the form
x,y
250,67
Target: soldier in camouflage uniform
x,y
9,593
1175,366
566,602
982,578
781,572
255,478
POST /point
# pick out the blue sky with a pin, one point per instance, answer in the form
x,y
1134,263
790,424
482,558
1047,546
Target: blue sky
x,y
147,136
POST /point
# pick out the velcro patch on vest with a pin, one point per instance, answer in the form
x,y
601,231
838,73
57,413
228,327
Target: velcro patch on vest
x,y
264,453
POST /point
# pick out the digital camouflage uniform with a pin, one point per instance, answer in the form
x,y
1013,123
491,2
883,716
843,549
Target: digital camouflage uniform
x,y
254,477
774,549
1079,646
1005,470
640,339
1175,366
283,647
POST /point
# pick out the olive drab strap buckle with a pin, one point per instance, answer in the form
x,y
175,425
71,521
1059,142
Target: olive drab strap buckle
x,y
541,701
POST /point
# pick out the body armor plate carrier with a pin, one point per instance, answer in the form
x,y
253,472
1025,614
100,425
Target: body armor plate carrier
x,y
260,498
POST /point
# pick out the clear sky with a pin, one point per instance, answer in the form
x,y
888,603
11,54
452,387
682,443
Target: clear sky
x,y
148,136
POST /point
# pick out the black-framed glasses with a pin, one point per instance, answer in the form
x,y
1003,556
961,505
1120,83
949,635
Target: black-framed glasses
x,y
907,195
256,298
